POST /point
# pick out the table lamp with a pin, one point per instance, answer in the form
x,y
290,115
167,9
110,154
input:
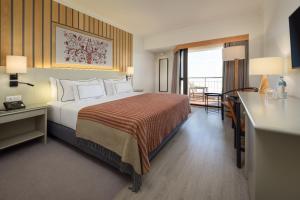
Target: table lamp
x,y
264,67
234,53
16,65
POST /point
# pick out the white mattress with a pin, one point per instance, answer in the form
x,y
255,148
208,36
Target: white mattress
x,y
65,113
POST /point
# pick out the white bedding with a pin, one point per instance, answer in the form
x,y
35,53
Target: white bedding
x,y
65,113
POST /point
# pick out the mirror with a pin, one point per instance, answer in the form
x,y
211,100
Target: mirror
x,y
163,75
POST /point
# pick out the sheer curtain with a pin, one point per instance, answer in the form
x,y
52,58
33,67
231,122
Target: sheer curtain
x,y
228,68
180,73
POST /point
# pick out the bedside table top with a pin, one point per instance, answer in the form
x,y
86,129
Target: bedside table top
x,y
28,108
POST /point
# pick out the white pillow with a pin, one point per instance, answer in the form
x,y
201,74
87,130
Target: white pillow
x,y
89,91
53,88
65,88
86,83
109,87
123,87
66,94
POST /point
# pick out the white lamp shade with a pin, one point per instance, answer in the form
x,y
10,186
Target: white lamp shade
x,y
16,64
266,66
130,70
234,53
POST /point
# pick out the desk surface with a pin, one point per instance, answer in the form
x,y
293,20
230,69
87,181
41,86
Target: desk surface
x,y
276,115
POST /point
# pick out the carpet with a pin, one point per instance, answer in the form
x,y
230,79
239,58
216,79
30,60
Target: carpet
x,y
56,171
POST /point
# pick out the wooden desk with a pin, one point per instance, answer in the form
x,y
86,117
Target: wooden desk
x,y
272,157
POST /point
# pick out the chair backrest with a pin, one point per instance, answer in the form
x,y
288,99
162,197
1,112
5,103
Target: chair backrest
x,y
231,108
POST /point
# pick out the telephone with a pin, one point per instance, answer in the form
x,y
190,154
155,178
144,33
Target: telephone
x,y
14,105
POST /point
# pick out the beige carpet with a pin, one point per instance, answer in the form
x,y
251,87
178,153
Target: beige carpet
x,y
55,171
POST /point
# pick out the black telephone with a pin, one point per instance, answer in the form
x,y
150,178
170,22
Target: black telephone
x,y
14,105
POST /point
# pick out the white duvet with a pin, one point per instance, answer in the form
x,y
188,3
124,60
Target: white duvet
x,y
65,113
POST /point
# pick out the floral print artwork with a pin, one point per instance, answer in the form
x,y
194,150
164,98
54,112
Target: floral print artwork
x,y
84,49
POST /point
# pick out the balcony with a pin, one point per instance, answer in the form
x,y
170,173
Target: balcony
x,y
199,85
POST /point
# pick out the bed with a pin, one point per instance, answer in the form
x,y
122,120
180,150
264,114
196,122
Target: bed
x,y
124,130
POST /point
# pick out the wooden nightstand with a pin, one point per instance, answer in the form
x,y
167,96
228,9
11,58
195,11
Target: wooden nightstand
x,y
17,126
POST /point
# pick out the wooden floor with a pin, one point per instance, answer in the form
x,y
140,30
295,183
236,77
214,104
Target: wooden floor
x,y
197,164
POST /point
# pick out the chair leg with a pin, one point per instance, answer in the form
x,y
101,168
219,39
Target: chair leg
x,y
235,138
222,112
238,151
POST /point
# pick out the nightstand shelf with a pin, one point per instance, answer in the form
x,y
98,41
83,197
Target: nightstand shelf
x,y
22,125
7,142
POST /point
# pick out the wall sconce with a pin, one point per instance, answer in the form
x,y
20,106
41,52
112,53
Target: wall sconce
x,y
129,73
16,65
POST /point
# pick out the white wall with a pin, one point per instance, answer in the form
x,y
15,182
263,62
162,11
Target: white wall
x,y
144,66
247,24
276,36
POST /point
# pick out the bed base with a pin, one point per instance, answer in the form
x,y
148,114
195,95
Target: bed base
x,y
68,135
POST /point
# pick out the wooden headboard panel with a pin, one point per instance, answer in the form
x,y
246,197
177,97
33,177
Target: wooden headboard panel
x,y
26,28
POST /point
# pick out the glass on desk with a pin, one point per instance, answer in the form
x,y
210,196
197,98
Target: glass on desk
x,y
271,94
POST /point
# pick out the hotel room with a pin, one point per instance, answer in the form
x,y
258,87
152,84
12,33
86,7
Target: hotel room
x,y
140,99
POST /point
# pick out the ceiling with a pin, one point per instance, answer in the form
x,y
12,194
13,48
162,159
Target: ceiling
x,y
147,17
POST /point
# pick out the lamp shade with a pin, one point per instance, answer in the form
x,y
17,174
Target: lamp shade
x,y
233,53
266,66
16,64
130,70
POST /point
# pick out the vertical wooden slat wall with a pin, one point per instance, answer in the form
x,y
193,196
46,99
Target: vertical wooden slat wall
x,y
47,34
38,34
26,30
6,30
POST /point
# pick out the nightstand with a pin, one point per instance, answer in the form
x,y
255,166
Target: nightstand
x,y
17,126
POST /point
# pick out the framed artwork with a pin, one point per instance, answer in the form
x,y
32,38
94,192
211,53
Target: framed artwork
x,y
72,48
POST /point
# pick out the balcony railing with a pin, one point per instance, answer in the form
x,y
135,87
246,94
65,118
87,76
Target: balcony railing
x,y
213,84
199,85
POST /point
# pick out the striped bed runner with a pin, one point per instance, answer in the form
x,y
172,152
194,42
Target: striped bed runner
x,y
147,117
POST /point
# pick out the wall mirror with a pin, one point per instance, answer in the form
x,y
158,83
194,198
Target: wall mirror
x,y
163,74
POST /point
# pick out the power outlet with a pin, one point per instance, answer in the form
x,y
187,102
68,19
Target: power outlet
x,y
13,98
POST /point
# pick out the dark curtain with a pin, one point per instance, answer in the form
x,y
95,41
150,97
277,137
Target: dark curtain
x,y
228,68
176,67
183,72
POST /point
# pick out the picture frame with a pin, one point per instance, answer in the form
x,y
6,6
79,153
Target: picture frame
x,y
78,49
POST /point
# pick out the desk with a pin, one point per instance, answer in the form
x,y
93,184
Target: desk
x,y
272,154
211,94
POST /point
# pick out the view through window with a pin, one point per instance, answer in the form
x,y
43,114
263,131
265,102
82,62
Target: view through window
x,y
205,71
